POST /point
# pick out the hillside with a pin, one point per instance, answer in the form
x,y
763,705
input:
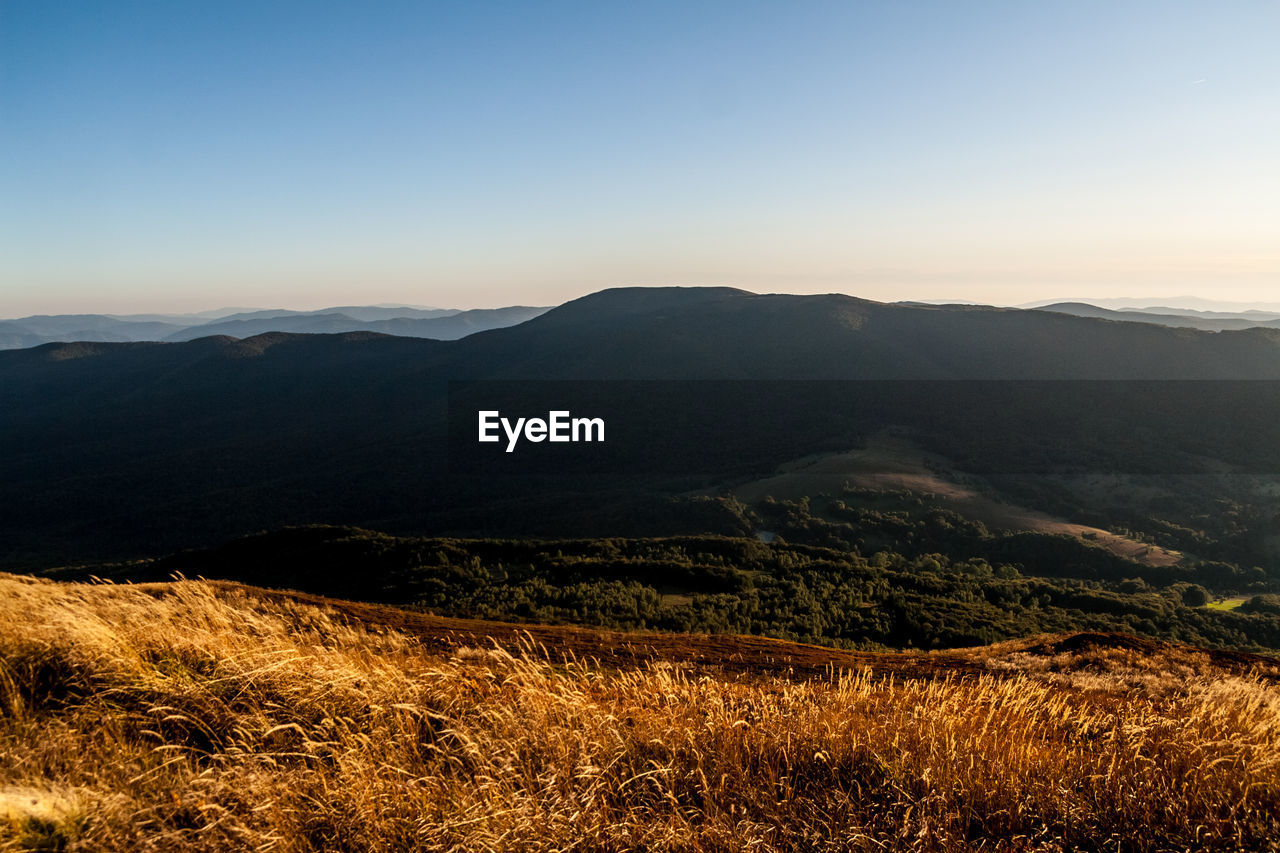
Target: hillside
x,y
199,717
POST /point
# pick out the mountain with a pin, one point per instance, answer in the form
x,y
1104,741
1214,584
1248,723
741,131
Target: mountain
x,y
440,323
264,322
111,450
388,312
722,333
1208,321
352,312
15,336
35,330
1168,304
1252,314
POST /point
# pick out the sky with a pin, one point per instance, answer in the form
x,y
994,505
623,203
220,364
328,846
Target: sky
x,y
175,156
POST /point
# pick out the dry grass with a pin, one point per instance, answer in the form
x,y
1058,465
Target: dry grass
x,y
191,716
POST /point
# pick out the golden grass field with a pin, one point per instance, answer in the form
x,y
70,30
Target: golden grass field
x,y
198,716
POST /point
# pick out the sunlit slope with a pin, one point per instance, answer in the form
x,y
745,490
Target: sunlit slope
x,y
200,717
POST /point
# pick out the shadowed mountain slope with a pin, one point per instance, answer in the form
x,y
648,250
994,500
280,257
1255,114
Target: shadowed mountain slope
x,y
136,448
684,333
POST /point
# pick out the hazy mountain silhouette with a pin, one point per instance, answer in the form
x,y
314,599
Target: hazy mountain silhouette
x,y
36,330
1167,305
1213,321
354,312
438,323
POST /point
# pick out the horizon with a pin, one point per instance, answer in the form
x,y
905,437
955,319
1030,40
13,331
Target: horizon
x,y
168,158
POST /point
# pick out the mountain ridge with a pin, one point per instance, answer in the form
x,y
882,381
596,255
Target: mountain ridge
x,y
723,333
438,323
1207,321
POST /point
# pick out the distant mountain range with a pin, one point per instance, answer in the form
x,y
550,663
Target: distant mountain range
x,y
120,449
1167,304
437,323
1185,318
450,324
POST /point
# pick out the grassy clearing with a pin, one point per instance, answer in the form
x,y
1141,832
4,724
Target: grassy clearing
x,y
1226,603
195,717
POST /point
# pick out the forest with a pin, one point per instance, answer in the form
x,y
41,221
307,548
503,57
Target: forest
x,y
944,583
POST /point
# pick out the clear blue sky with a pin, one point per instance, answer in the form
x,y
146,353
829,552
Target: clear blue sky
x,y
180,156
